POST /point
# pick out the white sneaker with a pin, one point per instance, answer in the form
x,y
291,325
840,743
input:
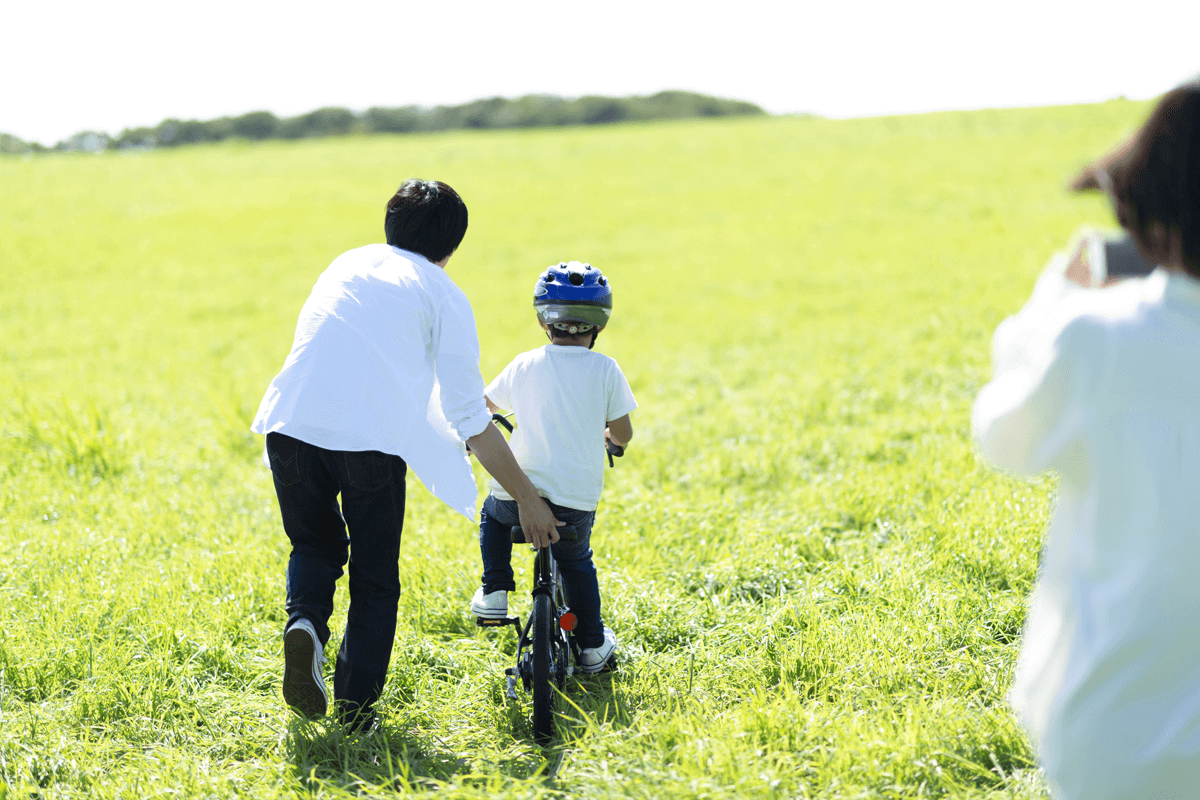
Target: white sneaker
x,y
303,657
595,659
493,605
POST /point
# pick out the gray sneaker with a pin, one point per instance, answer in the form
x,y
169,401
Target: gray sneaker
x,y
597,659
303,657
493,605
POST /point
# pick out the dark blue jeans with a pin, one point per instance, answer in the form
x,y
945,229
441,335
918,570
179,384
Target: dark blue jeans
x,y
308,480
496,522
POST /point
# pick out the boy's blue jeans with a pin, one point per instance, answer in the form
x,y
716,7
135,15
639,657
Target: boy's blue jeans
x,y
496,522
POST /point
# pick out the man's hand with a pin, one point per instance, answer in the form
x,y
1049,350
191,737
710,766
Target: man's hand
x,y
537,520
539,524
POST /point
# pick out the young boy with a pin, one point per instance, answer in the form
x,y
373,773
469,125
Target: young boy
x,y
563,394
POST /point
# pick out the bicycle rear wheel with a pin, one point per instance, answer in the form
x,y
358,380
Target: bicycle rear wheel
x,y
542,633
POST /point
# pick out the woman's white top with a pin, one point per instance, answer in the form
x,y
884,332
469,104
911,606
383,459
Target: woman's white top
x,y
562,397
386,357
1103,386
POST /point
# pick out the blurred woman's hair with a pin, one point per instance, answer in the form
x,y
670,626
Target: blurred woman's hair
x,y
1156,185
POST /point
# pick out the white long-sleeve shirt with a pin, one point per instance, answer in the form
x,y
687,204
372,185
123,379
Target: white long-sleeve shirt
x,y
1103,386
385,357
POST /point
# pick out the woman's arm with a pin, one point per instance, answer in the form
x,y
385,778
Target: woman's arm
x,y
1022,417
1018,417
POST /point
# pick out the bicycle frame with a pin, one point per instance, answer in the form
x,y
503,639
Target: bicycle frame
x,y
544,651
546,583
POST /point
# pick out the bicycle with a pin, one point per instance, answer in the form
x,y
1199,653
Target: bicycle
x,y
545,653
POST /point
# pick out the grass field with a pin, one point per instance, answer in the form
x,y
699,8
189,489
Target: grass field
x,y
817,586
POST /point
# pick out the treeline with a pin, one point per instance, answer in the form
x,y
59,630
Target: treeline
x,y
531,111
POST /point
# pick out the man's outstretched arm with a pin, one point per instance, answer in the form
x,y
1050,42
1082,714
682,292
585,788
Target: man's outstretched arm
x,y
537,520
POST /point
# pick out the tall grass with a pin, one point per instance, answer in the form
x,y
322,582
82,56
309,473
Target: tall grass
x,y
817,587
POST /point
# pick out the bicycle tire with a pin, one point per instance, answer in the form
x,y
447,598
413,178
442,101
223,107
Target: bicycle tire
x,y
542,634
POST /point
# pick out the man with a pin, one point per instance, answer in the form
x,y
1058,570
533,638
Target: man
x,y
383,374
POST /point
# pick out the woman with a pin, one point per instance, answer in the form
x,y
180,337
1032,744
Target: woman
x,y
1103,386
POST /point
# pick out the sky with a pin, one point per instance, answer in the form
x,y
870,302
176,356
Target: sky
x,y
71,66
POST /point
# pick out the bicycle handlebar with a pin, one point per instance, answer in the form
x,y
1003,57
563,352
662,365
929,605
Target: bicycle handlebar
x,y
613,449
610,447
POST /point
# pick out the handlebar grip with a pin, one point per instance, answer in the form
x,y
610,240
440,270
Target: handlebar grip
x,y
566,533
613,449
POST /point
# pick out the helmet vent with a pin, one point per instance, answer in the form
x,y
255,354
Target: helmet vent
x,y
576,279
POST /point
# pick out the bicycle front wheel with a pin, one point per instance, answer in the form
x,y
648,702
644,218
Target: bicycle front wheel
x,y
542,633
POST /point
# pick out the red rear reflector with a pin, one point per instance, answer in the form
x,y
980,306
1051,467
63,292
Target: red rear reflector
x,y
568,621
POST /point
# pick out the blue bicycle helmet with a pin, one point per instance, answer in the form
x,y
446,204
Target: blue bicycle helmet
x,y
573,297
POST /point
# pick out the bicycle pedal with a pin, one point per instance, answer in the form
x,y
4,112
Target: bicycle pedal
x,y
496,622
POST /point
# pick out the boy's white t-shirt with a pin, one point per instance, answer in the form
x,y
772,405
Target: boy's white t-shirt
x,y
562,397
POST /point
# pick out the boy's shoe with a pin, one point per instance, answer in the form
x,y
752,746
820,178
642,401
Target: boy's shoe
x,y
596,659
493,605
303,657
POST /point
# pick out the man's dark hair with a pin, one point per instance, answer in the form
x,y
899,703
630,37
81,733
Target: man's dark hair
x,y
426,217
1158,181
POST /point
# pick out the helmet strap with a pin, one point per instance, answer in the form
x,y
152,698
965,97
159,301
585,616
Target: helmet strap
x,y
591,344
